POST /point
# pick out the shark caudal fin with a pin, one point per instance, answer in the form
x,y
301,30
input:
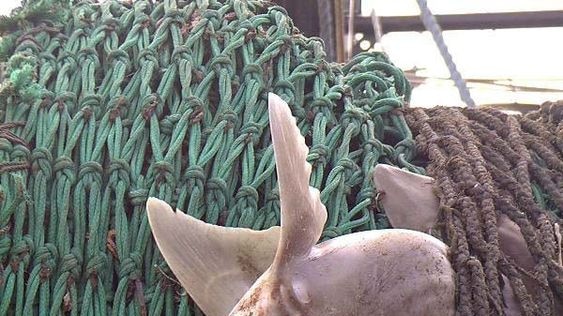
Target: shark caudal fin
x,y
303,215
407,198
216,265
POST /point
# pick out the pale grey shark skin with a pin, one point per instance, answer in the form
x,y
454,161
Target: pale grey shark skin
x,y
216,265
408,197
383,272
411,203
387,272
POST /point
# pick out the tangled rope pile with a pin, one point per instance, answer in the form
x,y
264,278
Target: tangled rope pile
x,y
110,103
488,163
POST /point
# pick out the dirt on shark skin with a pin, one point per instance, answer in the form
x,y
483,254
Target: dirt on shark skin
x,y
247,265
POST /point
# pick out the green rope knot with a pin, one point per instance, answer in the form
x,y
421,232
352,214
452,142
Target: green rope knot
x,y
118,171
344,165
248,193
21,251
251,132
164,172
110,25
318,154
195,174
130,267
68,61
71,262
46,256
322,105
91,104
182,54
354,118
406,148
151,104
138,197
213,16
41,159
66,166
253,71
169,123
286,90
216,197
27,44
230,117
221,62
147,55
218,187
96,264
91,170
374,145
195,103
119,56
175,16
88,54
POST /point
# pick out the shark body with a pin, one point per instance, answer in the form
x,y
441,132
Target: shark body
x,y
410,203
283,271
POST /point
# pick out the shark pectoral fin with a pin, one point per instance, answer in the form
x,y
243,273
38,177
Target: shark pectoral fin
x,y
303,215
215,265
513,244
408,199
512,306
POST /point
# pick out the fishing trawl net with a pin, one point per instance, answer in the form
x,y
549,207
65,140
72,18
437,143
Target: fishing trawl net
x,y
105,104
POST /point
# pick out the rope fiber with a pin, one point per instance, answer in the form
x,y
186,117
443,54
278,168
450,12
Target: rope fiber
x,y
487,163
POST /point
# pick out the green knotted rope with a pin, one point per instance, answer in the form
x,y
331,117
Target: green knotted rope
x,y
122,101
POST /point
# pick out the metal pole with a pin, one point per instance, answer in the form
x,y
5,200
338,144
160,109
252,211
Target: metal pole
x,y
350,39
433,27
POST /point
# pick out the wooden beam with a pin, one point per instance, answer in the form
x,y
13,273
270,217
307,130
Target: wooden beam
x,y
472,21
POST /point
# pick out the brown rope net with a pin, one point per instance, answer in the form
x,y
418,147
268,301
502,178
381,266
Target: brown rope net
x,y
487,163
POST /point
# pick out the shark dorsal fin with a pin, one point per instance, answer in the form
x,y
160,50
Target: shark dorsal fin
x,y
216,265
303,215
408,199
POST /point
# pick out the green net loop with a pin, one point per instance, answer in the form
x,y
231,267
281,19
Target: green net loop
x,y
121,101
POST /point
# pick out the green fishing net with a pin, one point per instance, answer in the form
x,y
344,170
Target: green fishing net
x,y
105,104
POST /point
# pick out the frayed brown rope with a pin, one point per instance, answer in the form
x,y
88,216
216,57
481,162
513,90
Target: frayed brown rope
x,y
484,163
7,134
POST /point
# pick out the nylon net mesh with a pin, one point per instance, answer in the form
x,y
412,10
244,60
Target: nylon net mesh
x,y
106,104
